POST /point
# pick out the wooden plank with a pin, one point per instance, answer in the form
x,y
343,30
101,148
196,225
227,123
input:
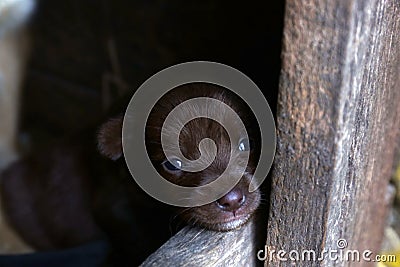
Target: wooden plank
x,y
338,118
194,246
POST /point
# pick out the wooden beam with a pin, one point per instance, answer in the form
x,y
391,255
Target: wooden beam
x,y
337,122
194,246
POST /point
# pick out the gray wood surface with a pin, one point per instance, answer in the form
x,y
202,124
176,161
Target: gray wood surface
x,y
338,118
193,246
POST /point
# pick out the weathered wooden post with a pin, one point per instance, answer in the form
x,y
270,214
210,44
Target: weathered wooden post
x,y
338,118
199,247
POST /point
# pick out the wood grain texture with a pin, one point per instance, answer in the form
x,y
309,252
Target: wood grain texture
x,y
194,246
338,118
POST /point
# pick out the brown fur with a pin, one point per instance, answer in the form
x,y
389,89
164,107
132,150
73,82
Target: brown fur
x,y
109,138
210,216
68,194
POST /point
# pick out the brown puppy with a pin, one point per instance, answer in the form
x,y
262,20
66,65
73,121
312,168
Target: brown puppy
x,y
69,193
236,207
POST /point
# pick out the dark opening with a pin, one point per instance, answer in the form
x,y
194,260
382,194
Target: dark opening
x,y
85,55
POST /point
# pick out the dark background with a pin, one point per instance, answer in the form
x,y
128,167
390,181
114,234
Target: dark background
x,y
66,86
85,55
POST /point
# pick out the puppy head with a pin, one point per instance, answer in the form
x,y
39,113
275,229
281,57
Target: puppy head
x,y
235,208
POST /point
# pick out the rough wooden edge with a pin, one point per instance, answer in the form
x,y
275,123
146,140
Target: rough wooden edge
x,y
193,246
338,118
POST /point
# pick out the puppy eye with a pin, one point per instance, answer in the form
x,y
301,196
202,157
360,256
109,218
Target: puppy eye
x,y
244,144
172,166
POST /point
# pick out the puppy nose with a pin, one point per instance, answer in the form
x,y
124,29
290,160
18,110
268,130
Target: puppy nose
x,y
231,201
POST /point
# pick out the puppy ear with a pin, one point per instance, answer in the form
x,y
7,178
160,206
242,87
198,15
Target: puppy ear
x,y
109,138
